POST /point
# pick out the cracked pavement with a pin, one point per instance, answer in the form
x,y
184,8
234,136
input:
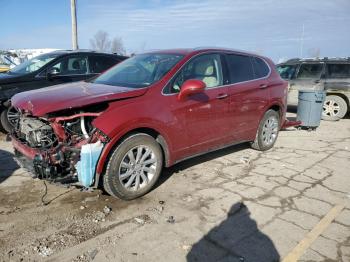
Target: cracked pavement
x,y
229,205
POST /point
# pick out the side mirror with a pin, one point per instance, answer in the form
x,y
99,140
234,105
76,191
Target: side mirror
x,y
191,87
52,73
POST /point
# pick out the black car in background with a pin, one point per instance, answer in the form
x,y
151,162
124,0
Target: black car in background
x,y
329,74
49,69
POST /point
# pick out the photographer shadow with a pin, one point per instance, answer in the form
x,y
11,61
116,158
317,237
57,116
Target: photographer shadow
x,y
7,165
235,239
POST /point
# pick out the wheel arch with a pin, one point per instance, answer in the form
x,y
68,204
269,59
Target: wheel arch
x,y
279,109
4,104
115,141
275,107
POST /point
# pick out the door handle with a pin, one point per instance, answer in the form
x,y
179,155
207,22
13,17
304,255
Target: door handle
x,y
316,81
262,86
222,96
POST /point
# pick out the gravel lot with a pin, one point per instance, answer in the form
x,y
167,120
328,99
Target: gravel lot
x,y
231,204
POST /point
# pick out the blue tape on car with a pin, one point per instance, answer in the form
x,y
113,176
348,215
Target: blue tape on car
x,y
86,167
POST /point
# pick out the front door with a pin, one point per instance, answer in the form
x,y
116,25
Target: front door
x,y
204,116
68,69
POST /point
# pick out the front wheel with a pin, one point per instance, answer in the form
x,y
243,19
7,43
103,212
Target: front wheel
x,y
9,118
134,167
267,132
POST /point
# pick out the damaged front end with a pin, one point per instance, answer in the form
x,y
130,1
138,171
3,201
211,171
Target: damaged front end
x,y
61,147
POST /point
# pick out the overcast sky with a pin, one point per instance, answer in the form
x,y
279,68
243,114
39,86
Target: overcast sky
x,y
270,27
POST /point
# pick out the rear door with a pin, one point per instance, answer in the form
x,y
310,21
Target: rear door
x,y
338,78
100,63
310,76
248,91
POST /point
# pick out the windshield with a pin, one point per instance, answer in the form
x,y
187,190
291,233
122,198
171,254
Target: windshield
x,y
139,71
286,71
33,64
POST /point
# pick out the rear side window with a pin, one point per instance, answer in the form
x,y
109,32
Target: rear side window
x,y
307,71
98,64
286,71
240,68
338,70
260,67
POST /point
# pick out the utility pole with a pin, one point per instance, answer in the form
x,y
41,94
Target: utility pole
x,y
302,41
74,24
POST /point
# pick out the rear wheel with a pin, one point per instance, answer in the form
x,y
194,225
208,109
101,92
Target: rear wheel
x,y
334,108
267,132
134,167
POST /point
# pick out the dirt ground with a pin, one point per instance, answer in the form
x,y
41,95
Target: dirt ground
x,y
235,204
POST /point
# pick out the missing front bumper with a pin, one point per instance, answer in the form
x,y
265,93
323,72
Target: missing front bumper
x,y
36,162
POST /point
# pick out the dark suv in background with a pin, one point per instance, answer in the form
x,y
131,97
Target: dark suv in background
x,y
330,74
49,69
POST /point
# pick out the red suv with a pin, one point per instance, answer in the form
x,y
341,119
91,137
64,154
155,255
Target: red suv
x,y
152,110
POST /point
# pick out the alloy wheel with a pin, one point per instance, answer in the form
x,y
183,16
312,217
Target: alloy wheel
x,y
137,168
13,116
331,108
270,131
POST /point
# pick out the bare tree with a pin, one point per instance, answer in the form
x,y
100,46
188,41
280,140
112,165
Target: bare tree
x,y
117,46
101,42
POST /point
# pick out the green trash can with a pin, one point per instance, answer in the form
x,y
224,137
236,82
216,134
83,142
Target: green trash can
x,y
310,106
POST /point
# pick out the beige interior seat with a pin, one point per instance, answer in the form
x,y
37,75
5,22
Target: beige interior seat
x,y
204,70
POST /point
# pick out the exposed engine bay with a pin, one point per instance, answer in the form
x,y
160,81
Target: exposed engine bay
x,y
55,144
36,132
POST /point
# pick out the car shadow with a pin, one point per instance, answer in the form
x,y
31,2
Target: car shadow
x,y
7,165
168,172
236,239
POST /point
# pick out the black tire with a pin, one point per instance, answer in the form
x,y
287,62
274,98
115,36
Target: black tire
x,y
334,108
259,143
111,181
5,124
2,129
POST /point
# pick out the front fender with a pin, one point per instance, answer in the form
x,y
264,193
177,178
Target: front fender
x,y
114,141
123,117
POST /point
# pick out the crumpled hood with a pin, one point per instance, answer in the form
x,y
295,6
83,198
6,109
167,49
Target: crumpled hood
x,y
55,98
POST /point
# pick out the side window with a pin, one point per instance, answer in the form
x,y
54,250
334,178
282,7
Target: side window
x,y
338,70
76,65
205,67
286,71
98,64
307,71
260,67
240,68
